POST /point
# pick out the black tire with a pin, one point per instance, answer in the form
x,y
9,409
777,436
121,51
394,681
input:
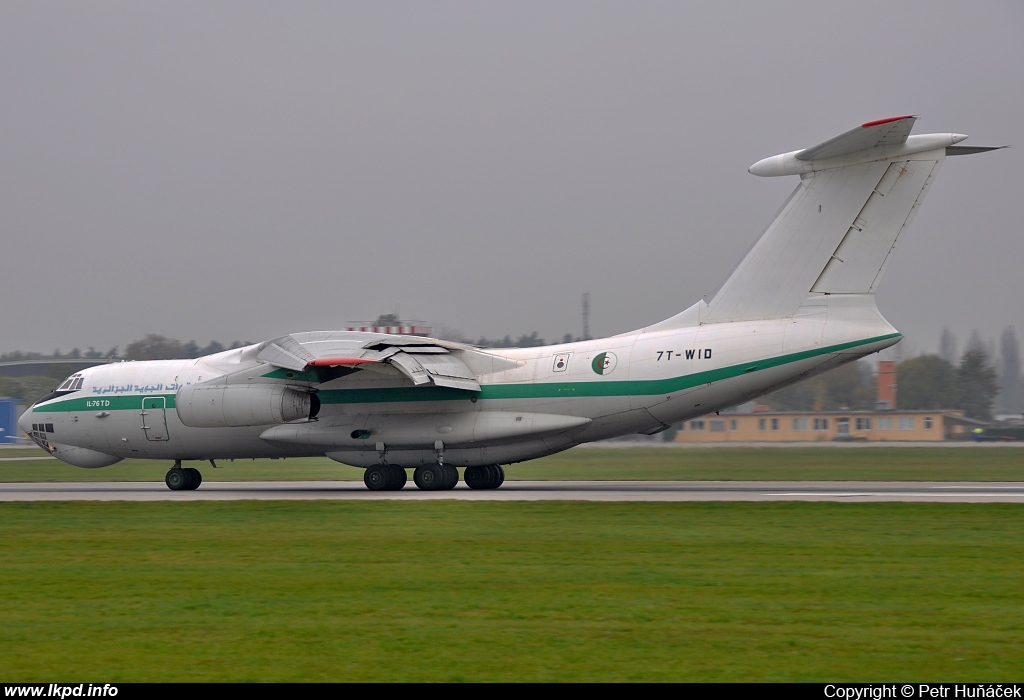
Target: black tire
x,y
476,477
430,477
399,478
197,478
177,479
453,477
489,477
377,477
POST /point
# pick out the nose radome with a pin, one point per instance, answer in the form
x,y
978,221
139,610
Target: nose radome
x,y
25,422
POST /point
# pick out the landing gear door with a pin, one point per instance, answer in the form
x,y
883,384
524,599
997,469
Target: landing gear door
x,y
154,418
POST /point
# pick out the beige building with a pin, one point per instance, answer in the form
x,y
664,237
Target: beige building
x,y
771,426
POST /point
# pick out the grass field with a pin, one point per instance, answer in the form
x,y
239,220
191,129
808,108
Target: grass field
x,y
370,591
971,463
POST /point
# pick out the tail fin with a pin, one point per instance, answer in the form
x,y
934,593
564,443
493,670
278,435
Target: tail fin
x,y
857,195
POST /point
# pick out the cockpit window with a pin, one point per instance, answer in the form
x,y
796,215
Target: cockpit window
x,y
72,383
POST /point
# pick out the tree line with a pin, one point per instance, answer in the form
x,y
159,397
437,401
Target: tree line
x,y
926,382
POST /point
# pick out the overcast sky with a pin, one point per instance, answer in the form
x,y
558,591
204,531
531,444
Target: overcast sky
x,y
240,170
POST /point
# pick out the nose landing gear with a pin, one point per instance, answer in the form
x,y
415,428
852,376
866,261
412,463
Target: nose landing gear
x,y
187,479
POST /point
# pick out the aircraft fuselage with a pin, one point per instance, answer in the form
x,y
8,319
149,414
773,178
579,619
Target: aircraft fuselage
x,y
538,401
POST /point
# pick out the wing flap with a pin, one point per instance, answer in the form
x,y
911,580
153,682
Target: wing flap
x,y
421,360
285,352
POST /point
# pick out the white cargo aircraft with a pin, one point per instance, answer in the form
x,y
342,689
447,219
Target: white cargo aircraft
x,y
801,302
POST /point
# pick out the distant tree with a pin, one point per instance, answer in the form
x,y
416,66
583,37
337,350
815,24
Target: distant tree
x,y
947,346
60,371
387,320
154,347
529,341
190,349
797,397
75,353
505,342
848,386
976,385
1009,372
212,348
926,382
976,342
92,353
28,389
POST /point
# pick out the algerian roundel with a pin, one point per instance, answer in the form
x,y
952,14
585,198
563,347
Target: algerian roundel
x,y
604,363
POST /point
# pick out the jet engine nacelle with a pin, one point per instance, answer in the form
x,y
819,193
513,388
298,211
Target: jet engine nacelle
x,y
235,406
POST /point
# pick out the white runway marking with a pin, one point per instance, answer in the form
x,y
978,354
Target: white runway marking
x,y
973,492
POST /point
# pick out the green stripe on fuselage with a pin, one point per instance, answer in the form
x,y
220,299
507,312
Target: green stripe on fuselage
x,y
538,390
648,387
102,403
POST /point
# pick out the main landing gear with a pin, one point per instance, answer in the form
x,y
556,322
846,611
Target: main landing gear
x,y
385,477
436,477
490,477
187,479
432,477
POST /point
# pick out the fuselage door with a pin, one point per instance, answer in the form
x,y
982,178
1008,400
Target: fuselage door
x,y
154,418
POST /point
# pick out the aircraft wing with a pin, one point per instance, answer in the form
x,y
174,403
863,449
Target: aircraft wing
x,y
422,360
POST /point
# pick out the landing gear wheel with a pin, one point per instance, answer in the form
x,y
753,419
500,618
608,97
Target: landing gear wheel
x,y
487,477
177,479
431,477
399,478
477,477
453,477
384,477
377,477
196,477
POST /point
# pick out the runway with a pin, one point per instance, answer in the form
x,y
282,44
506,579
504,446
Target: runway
x,y
655,491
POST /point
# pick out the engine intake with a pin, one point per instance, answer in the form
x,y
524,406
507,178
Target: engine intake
x,y
235,406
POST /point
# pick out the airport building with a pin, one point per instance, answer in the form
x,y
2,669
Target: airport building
x,y
795,426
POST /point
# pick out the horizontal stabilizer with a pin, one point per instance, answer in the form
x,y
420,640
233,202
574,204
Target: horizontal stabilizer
x,y
884,132
885,139
857,196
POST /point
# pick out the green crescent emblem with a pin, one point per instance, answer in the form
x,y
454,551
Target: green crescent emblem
x,y
604,363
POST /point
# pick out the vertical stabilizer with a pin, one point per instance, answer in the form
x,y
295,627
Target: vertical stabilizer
x,y
857,195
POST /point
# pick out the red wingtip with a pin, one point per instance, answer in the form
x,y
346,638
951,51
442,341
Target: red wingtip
x,y
865,125
338,361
